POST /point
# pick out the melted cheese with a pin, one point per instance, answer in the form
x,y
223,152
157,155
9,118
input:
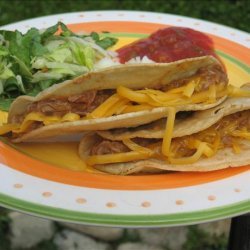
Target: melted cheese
x,y
237,92
243,134
148,98
135,147
127,100
70,117
175,97
101,110
212,94
6,128
189,89
231,128
236,146
3,117
116,158
117,108
191,159
132,95
168,132
37,117
188,149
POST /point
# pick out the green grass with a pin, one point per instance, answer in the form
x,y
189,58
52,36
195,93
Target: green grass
x,y
198,239
44,245
4,229
234,13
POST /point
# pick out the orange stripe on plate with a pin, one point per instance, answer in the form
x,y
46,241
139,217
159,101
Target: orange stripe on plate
x,y
129,27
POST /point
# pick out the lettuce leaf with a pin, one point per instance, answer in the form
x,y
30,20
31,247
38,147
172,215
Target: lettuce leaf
x,y
34,61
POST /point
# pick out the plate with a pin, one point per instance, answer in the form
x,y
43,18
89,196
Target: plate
x,y
53,183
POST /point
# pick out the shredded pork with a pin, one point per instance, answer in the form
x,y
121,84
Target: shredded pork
x,y
80,104
108,147
111,147
209,75
85,103
181,145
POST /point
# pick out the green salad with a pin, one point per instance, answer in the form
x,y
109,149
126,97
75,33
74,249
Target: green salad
x,y
32,62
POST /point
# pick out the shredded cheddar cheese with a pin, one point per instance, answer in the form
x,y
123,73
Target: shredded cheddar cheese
x,y
132,95
135,147
188,149
236,146
191,159
36,117
117,108
212,94
168,132
189,89
205,143
226,133
243,133
116,158
70,117
104,107
127,100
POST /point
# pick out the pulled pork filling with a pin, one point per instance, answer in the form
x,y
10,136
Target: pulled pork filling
x,y
79,104
105,146
85,103
225,133
108,147
209,75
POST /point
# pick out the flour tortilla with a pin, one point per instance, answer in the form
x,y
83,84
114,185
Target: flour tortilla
x,y
135,76
200,121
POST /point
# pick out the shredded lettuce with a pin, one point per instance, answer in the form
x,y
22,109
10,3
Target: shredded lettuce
x,y
34,61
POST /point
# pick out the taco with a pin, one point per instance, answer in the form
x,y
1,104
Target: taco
x,y
121,96
207,140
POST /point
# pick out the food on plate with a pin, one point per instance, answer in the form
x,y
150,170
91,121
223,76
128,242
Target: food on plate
x,y
121,96
206,140
169,44
164,106
34,61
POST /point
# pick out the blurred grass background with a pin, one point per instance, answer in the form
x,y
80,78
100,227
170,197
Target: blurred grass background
x,y
234,13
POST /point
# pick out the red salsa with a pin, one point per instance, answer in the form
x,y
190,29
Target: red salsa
x,y
168,45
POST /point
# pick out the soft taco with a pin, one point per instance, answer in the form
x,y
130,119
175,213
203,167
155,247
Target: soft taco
x,y
121,96
207,140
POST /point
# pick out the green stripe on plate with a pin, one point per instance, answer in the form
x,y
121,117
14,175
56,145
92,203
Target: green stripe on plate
x,y
234,60
219,52
126,220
